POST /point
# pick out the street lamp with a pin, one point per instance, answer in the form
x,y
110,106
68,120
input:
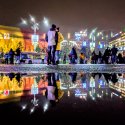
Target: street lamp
x,y
45,21
24,21
34,27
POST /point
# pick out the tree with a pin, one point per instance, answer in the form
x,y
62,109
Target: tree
x,y
38,49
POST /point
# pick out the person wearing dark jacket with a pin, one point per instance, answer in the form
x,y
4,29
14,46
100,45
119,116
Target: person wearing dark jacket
x,y
114,51
73,56
120,59
11,56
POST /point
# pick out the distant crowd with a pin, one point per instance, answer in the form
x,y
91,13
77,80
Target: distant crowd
x,y
54,38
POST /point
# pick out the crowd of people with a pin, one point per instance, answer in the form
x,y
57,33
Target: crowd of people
x,y
110,56
9,57
54,39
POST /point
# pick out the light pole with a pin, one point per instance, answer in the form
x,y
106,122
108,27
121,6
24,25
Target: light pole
x,y
46,22
34,27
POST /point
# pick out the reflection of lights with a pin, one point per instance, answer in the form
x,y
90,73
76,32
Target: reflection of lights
x,y
45,107
90,93
35,101
24,107
68,93
84,85
114,94
77,92
6,92
82,95
32,110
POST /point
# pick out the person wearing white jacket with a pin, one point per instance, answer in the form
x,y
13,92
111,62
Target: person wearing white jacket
x,y
52,39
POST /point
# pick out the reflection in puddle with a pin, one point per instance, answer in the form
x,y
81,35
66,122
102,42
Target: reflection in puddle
x,y
45,90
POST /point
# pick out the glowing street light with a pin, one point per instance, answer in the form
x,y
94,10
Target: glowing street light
x,y
34,27
34,24
24,21
32,19
46,21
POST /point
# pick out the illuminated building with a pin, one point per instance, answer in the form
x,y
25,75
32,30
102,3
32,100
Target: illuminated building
x,y
119,41
13,37
119,87
12,88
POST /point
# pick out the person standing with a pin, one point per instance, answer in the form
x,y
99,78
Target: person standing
x,y
52,39
114,51
64,58
6,58
81,58
58,47
18,51
73,56
106,56
11,56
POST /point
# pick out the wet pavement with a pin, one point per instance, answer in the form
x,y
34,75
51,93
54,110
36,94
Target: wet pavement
x,y
62,98
62,68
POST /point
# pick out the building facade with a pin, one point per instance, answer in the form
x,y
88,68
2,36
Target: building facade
x,y
13,37
119,41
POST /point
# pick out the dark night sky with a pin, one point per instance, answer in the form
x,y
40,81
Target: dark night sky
x,y
70,15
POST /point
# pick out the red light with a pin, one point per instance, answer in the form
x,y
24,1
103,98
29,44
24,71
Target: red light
x,y
6,92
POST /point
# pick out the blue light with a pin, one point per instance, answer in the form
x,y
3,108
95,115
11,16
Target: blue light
x,y
84,85
100,46
101,83
84,43
77,36
77,91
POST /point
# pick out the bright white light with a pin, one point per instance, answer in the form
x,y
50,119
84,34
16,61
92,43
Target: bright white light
x,y
24,21
68,93
93,98
81,32
32,110
32,18
45,107
46,21
23,107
